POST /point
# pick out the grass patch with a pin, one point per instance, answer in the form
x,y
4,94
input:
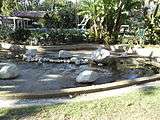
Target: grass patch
x,y
142,105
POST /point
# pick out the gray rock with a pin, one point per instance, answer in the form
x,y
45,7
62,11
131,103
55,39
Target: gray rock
x,y
131,51
74,59
158,60
118,48
100,54
8,71
124,54
87,76
64,54
30,54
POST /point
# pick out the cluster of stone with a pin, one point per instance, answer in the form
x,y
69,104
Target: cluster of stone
x,y
31,56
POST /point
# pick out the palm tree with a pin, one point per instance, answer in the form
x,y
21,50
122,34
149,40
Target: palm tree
x,y
108,11
94,9
124,5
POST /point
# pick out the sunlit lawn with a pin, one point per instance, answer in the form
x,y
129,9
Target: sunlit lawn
x,y
143,105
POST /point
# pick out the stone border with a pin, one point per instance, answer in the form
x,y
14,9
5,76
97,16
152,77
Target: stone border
x,y
79,90
87,46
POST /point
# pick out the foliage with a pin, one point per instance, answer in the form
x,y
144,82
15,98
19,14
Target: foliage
x,y
42,36
62,17
152,22
19,36
94,9
4,32
107,16
48,37
8,6
66,36
51,5
38,37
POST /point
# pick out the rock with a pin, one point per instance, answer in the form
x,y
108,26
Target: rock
x,y
74,59
64,54
118,48
8,71
131,51
100,54
124,54
78,62
30,54
158,60
86,60
100,64
87,76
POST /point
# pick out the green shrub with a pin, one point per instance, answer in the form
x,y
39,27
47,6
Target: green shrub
x,y
38,37
103,36
57,36
4,33
20,36
66,36
64,18
43,37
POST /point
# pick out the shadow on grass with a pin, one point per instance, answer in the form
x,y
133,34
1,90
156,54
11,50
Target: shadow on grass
x,y
18,113
148,90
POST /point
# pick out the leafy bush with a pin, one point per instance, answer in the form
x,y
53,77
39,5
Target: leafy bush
x,y
43,37
66,36
4,33
20,36
57,36
38,37
103,36
152,35
63,17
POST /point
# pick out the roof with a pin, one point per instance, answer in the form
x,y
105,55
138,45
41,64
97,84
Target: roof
x,y
16,18
30,14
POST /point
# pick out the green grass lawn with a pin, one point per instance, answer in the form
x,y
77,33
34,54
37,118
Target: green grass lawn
x,y
142,105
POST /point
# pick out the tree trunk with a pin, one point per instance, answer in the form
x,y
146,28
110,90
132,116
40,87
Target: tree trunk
x,y
118,22
95,29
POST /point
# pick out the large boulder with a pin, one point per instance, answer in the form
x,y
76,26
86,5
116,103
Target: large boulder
x,y
30,54
8,71
87,76
64,54
100,54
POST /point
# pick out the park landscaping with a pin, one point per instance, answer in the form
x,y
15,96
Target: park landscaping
x,y
64,48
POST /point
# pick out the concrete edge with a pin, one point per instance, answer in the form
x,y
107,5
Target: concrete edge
x,y
88,46
79,90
